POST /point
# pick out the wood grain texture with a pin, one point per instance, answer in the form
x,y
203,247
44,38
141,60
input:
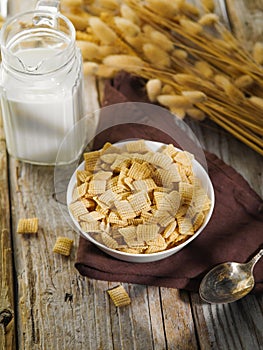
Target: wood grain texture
x,y
58,309
178,320
233,326
237,325
246,19
233,152
49,310
7,317
7,313
61,310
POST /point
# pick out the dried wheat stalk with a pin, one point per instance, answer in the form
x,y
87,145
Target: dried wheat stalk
x,y
193,65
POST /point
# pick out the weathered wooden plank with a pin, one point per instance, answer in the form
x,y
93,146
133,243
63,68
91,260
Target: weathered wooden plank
x,y
7,324
178,320
142,333
51,309
246,19
234,326
156,315
58,309
233,152
121,324
216,325
47,318
155,325
43,284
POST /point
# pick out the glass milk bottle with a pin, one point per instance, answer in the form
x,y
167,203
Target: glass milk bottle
x,y
42,85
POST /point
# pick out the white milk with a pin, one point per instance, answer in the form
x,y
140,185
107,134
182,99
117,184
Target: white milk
x,y
37,115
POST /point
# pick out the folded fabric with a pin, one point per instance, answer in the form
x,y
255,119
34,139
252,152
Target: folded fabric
x,y
234,233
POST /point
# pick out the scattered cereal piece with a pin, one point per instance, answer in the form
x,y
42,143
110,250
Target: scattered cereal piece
x,y
119,296
63,246
27,225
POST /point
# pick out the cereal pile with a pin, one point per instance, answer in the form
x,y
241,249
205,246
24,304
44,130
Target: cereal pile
x,y
134,200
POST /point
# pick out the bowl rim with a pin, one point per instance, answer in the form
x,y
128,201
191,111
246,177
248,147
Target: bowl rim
x,y
86,235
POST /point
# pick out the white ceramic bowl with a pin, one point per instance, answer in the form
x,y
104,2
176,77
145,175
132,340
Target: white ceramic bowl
x,y
141,258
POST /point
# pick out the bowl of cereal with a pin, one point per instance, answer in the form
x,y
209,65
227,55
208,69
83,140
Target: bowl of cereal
x,y
140,201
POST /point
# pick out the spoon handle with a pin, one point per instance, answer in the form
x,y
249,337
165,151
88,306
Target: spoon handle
x,y
255,259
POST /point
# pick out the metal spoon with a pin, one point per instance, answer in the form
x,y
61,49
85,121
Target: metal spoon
x,y
229,281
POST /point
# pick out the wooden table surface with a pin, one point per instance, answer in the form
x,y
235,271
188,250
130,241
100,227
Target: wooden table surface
x,y
46,304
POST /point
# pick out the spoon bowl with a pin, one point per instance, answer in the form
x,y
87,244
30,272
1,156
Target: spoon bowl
x,y
229,281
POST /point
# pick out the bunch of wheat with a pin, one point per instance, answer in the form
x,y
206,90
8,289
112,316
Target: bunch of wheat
x,y
193,65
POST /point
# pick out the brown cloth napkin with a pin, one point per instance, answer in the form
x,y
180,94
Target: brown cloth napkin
x,y
234,233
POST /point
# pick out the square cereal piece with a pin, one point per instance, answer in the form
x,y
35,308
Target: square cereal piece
x,y
108,241
161,160
77,209
124,209
91,160
129,234
144,185
92,216
156,245
109,158
146,232
139,171
122,161
170,150
82,176
102,175
186,191
97,187
162,202
119,296
116,220
185,226
184,158
166,178
82,189
27,225
112,184
170,228
139,201
63,246
90,227
108,197
137,146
